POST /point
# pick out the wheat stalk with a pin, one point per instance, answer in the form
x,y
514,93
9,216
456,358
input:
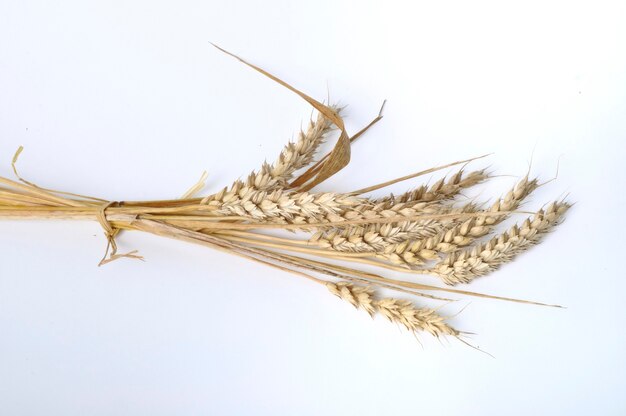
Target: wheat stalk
x,y
409,232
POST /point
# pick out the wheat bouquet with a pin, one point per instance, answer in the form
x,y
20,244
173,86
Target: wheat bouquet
x,y
428,230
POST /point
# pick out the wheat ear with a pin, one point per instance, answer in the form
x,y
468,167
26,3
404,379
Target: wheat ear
x,y
294,156
402,312
466,265
440,190
387,238
460,233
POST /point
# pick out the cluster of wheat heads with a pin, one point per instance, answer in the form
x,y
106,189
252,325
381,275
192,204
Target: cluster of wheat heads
x,y
432,229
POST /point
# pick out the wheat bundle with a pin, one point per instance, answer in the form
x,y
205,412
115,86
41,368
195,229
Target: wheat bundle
x,y
427,230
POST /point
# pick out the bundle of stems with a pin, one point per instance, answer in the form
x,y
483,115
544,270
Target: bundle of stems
x,y
429,230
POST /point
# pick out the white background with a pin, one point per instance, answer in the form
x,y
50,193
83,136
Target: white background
x,y
127,100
